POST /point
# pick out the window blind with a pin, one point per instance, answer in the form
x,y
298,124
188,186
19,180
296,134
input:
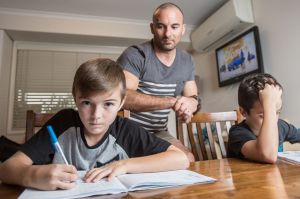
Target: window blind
x,y
44,81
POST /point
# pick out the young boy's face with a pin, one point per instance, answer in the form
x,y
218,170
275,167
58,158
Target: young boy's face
x,y
256,115
98,111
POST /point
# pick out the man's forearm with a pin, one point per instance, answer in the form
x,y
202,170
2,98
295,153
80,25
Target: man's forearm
x,y
138,102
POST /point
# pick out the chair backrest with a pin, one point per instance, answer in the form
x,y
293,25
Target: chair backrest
x,y
124,113
206,133
37,120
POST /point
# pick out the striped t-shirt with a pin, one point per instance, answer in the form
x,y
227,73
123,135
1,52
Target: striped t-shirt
x,y
156,79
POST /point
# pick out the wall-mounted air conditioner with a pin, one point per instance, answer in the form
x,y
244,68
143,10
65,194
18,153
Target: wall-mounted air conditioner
x,y
232,18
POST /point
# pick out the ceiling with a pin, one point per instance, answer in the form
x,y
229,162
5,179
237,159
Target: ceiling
x,y
195,11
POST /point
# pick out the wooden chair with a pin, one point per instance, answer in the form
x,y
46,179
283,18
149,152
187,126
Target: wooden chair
x,y
37,120
124,113
204,125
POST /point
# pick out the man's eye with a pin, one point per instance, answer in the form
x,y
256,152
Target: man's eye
x,y
159,26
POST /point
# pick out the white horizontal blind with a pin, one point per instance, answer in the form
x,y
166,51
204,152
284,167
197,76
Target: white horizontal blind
x,y
44,81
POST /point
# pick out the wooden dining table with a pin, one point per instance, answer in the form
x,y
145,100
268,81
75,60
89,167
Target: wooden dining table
x,y
235,179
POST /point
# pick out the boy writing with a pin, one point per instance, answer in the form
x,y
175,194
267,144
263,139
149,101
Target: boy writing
x,y
261,135
92,138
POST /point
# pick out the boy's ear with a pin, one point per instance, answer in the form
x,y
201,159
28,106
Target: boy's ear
x,y
243,112
122,103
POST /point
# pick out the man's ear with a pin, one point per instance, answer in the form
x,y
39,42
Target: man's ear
x,y
152,28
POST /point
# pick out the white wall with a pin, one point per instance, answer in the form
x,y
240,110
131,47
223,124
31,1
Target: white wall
x,y
279,27
5,63
280,31
77,25
213,97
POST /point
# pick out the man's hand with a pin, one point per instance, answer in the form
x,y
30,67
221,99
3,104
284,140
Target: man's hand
x,y
185,107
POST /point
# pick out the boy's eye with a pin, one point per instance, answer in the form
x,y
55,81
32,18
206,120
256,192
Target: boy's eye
x,y
85,103
109,104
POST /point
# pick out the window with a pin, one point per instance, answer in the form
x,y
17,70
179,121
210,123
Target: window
x,y
44,80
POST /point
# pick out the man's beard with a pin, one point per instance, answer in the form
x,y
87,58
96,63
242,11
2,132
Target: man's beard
x,y
163,47
166,48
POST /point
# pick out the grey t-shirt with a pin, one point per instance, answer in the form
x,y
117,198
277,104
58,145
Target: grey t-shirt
x,y
156,79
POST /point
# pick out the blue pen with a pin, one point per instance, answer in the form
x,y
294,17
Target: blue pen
x,y
56,144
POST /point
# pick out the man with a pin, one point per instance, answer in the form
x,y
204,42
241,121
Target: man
x,y
160,77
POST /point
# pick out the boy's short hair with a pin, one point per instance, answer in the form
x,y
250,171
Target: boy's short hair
x,y
98,75
248,92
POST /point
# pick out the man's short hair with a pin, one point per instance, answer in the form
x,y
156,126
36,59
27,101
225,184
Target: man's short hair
x,y
163,6
98,75
248,92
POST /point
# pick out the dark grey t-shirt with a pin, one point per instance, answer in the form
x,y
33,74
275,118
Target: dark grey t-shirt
x,y
124,139
241,133
156,79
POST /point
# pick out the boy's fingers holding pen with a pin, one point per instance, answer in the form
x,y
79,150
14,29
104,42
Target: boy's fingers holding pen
x,y
69,173
68,177
65,185
69,168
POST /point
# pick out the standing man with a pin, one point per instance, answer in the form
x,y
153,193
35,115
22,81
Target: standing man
x,y
160,77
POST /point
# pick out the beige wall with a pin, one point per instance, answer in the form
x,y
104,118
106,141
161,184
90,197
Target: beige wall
x,y
279,27
279,32
5,63
213,97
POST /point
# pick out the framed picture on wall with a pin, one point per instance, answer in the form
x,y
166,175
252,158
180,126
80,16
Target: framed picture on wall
x,y
239,57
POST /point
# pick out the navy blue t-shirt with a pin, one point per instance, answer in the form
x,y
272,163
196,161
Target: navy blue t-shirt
x,y
241,133
124,139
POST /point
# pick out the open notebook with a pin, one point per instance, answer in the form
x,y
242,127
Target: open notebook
x,y
122,183
290,156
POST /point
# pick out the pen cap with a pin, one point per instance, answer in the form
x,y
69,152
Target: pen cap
x,y
52,134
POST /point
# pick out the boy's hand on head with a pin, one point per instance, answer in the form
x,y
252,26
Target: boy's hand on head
x,y
55,176
270,95
110,170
